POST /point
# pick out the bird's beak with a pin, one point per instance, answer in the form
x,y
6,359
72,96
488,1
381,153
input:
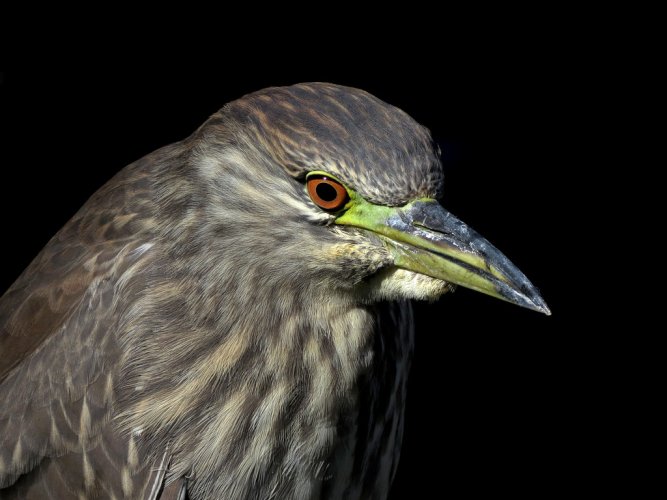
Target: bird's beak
x,y
426,239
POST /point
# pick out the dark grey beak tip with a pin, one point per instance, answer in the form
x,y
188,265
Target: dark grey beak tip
x,y
541,306
534,301
524,295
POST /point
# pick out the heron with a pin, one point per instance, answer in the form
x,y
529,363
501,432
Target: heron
x,y
230,316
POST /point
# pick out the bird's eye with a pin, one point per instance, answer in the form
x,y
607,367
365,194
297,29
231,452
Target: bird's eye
x,y
327,193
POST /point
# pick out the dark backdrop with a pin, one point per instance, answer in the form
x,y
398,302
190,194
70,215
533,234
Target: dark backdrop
x,y
494,405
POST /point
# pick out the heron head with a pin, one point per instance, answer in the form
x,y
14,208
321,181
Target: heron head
x,y
327,186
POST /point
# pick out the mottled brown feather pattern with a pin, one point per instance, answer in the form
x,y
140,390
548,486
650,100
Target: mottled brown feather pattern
x,y
200,309
60,354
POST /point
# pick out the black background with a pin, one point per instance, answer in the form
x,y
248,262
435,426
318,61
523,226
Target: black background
x,y
497,401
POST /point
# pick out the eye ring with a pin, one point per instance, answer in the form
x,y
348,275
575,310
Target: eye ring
x,y
327,193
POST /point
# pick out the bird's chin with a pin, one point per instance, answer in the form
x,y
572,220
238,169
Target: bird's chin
x,y
393,283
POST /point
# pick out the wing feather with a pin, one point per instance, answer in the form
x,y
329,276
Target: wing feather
x,y
58,349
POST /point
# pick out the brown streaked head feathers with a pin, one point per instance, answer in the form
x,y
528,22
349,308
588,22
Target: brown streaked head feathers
x,y
345,131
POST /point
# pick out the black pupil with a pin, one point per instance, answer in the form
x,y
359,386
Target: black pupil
x,y
326,191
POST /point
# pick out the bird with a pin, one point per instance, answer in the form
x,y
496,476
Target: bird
x,y
230,316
